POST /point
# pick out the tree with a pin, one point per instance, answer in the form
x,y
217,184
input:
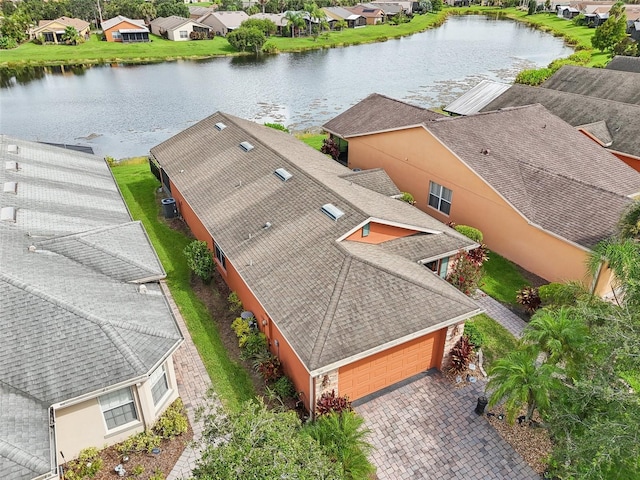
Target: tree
x,y
517,380
82,9
295,21
266,26
629,223
247,39
71,36
436,5
166,8
255,443
623,258
15,26
612,31
314,13
148,11
199,259
532,7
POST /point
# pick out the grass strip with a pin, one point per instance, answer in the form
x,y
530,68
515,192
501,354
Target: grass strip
x,y
501,279
230,380
498,341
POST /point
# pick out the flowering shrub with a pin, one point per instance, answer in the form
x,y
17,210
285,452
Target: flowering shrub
x,y
465,273
331,403
460,355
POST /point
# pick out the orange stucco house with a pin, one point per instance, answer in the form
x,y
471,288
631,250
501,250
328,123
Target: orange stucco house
x,y
344,280
542,193
125,30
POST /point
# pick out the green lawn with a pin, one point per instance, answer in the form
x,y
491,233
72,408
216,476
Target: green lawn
x,y
498,341
501,279
230,380
314,140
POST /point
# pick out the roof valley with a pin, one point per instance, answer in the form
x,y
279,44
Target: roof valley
x,y
22,458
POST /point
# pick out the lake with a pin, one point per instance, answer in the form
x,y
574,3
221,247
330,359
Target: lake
x,y
123,110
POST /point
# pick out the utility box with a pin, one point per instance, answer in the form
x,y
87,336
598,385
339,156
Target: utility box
x,y
169,207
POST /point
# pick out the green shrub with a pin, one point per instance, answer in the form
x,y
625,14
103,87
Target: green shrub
x,y
277,126
465,274
270,47
199,259
533,77
408,198
172,422
254,345
470,232
87,465
157,475
284,387
241,327
561,294
235,305
137,470
139,443
473,333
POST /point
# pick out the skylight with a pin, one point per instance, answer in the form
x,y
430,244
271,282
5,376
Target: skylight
x,y
11,165
10,187
246,146
12,148
220,126
8,214
282,174
331,211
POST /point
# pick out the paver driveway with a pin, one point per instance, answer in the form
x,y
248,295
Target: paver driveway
x,y
428,429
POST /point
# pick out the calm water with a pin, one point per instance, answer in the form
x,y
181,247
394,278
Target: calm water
x,y
123,111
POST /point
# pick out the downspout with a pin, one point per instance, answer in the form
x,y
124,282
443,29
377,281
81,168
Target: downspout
x,y
596,277
312,394
52,438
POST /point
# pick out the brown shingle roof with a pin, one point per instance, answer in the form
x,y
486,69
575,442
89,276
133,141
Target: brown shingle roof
x,y
331,300
378,113
552,174
622,119
77,23
597,82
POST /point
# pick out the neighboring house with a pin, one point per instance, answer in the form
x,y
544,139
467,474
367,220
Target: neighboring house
x,y
389,9
372,15
542,193
125,30
344,279
567,12
614,125
353,20
197,12
277,18
596,82
52,31
406,6
594,20
223,22
177,28
625,64
87,333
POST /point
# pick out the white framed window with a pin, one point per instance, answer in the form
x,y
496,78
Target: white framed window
x,y
116,35
440,197
366,229
222,260
118,408
184,34
159,384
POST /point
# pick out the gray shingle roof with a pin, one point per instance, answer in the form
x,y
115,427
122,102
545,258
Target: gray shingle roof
x,y
173,22
551,173
622,119
375,179
604,83
423,246
378,113
73,292
112,22
297,270
625,64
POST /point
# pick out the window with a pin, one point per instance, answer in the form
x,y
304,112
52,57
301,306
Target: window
x,y
220,256
116,35
118,408
159,384
184,34
365,230
440,197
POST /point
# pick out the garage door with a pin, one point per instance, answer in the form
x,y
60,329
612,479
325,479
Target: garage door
x,y
391,366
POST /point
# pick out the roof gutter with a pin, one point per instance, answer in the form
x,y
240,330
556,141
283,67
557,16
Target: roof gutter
x,y
398,341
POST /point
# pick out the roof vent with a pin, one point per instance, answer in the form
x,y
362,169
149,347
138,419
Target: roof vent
x,y
11,165
282,174
485,151
246,146
10,187
220,126
12,148
8,214
331,211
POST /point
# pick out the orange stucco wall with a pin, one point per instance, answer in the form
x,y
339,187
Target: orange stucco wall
x,y
108,34
379,233
413,158
629,160
292,365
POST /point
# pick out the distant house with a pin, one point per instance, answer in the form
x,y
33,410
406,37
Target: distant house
x,y
87,333
277,18
197,12
371,14
344,279
125,30
223,22
408,7
541,192
625,64
354,20
177,28
52,31
567,12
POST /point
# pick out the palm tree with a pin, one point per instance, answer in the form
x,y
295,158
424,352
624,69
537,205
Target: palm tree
x,y
558,334
314,12
516,379
623,258
629,223
70,35
148,11
295,21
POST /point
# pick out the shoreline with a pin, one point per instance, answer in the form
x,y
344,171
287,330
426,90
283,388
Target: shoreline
x,y
419,24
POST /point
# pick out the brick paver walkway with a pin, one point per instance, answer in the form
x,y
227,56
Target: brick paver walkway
x,y
193,384
501,314
427,429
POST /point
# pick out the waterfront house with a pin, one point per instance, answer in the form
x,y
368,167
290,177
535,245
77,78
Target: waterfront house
x,y
125,30
542,192
87,333
372,15
353,20
52,31
223,22
344,279
178,29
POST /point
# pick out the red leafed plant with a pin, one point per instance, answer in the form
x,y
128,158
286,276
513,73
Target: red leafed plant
x,y
465,274
270,368
330,147
529,298
478,255
460,355
331,403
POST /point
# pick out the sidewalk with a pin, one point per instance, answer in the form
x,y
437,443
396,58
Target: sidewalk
x,y
501,314
193,384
